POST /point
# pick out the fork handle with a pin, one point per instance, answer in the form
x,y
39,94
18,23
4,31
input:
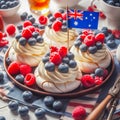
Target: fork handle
x,y
98,110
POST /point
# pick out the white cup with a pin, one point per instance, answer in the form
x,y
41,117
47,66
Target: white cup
x,y
111,12
57,4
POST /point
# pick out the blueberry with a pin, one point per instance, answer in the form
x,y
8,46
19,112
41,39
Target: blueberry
x,y
63,68
72,64
47,54
104,28
64,28
13,105
96,32
117,4
61,10
70,55
50,24
111,43
49,15
22,41
83,47
59,19
57,105
4,6
77,43
35,34
48,100
24,16
41,26
65,60
8,61
110,2
35,25
49,66
1,75
32,20
92,49
99,72
39,39
20,78
2,118
52,19
27,95
110,37
16,2
19,27
92,74
12,4
2,2
64,22
99,45
40,113
23,110
32,41
105,32
45,59
18,36
29,16
8,4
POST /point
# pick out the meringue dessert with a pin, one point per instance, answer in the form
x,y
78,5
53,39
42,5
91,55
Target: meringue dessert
x,y
56,30
58,71
28,48
91,52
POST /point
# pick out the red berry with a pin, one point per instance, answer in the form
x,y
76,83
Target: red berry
x,y
31,28
85,32
3,43
102,15
27,23
57,15
55,58
57,25
11,29
53,49
100,37
14,68
43,19
25,69
90,8
64,16
26,33
105,73
79,113
1,35
1,23
4,35
98,80
116,33
87,81
82,36
89,40
29,79
63,51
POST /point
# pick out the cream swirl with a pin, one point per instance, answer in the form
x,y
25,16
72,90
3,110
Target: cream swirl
x,y
59,37
28,54
56,81
101,58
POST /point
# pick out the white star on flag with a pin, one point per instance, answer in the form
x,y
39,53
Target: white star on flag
x,y
75,23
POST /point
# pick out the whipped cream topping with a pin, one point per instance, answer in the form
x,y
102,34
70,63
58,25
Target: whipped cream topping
x,y
101,58
56,81
29,54
60,36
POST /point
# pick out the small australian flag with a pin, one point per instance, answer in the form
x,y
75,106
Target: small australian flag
x,y
82,19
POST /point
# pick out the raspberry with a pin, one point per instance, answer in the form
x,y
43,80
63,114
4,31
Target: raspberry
x,y
29,79
85,32
3,43
98,80
1,23
102,15
105,73
90,8
57,15
14,68
27,23
89,40
100,37
116,33
64,16
11,29
42,19
53,49
55,58
63,51
82,36
56,26
87,81
25,69
1,35
79,113
26,33
31,28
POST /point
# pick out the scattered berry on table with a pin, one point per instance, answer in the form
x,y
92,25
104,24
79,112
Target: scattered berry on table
x,y
1,75
24,16
2,118
23,110
11,29
20,78
40,113
79,113
42,19
13,105
57,105
111,43
29,79
48,100
27,95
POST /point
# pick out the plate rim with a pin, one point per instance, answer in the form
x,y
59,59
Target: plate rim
x,y
68,94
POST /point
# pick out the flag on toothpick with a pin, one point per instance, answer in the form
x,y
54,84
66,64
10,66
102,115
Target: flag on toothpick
x,y
82,19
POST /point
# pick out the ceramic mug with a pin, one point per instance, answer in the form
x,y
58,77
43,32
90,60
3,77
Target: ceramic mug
x,y
111,12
